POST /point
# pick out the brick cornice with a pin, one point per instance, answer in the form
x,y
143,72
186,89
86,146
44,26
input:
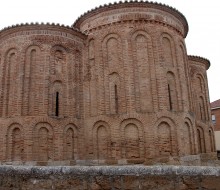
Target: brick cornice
x,y
41,26
130,4
200,59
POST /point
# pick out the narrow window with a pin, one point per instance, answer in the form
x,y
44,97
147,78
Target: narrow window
x,y
213,119
170,99
201,114
116,99
57,104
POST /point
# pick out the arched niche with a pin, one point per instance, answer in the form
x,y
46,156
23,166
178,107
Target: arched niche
x,y
132,139
101,140
70,142
43,142
15,143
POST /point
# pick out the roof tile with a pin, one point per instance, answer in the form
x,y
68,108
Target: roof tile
x,y
215,104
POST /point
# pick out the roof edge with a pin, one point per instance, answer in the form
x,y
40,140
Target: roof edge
x,y
41,24
200,59
93,11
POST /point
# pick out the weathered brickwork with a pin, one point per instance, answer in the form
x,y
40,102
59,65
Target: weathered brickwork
x,y
117,87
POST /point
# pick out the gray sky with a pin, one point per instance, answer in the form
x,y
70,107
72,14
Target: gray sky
x,y
202,16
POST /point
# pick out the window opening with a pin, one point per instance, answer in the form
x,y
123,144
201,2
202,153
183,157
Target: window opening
x,y
170,99
57,104
116,99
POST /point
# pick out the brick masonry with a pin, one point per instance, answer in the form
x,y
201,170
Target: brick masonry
x,y
116,87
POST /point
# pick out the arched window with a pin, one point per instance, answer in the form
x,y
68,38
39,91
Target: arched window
x,y
172,92
114,87
202,108
57,104
56,99
116,99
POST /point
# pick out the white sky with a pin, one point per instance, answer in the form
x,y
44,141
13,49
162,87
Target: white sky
x,y
203,17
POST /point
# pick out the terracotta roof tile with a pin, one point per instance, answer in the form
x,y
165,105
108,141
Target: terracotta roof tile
x,y
215,104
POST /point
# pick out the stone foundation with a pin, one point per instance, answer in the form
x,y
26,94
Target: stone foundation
x,y
110,177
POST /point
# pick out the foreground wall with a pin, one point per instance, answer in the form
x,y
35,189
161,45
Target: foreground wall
x,y
110,177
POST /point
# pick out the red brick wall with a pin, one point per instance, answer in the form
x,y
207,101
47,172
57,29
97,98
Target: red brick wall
x,y
216,112
124,91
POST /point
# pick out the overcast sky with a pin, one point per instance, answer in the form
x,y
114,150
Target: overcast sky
x,y
202,16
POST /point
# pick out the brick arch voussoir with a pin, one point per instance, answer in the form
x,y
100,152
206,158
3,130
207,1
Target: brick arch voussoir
x,y
14,125
132,116
29,45
211,129
48,126
168,120
89,39
10,50
199,74
52,122
56,79
59,47
72,126
202,125
139,31
188,120
183,46
131,120
106,119
99,123
167,115
109,35
167,35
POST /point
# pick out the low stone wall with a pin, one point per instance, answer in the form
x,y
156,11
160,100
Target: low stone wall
x,y
109,177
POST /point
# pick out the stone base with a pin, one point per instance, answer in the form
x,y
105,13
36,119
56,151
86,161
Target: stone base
x,y
110,177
